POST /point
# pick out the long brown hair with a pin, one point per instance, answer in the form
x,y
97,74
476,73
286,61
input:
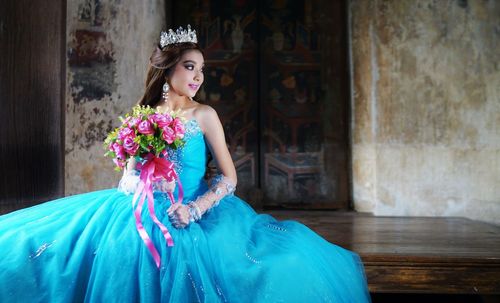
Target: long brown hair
x,y
160,67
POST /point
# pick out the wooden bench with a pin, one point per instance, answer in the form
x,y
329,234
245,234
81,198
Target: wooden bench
x,y
427,255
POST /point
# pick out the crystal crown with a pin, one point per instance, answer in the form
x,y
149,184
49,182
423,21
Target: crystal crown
x,y
179,36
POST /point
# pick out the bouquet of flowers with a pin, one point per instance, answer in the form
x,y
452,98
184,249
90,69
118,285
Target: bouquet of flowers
x,y
147,134
145,131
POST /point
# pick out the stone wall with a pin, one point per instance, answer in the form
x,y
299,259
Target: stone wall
x,y
426,107
108,47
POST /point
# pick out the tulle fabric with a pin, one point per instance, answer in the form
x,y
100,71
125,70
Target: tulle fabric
x,y
85,248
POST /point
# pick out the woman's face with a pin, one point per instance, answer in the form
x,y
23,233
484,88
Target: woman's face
x,y
187,75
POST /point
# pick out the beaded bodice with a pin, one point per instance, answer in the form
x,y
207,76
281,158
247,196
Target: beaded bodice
x,y
190,161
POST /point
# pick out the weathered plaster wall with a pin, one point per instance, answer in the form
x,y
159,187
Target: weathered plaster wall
x,y
109,44
426,107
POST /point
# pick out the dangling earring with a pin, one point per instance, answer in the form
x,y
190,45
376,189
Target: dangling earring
x,y
166,88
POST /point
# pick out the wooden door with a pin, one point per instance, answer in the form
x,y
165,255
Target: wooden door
x,y
277,73
32,81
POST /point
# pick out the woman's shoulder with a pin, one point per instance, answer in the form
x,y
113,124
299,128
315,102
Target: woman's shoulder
x,y
205,115
204,112
201,108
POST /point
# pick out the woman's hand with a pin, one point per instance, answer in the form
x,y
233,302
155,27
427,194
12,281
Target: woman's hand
x,y
164,186
179,215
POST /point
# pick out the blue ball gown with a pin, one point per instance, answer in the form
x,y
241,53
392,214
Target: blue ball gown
x,y
86,248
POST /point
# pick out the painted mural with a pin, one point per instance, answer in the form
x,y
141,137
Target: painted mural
x,y
90,55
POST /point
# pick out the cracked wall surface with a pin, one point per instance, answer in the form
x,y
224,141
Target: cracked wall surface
x,y
426,107
108,47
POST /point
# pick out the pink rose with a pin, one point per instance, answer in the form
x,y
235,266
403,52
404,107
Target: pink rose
x,y
163,120
119,163
130,146
168,134
125,132
178,128
118,150
152,118
145,128
133,122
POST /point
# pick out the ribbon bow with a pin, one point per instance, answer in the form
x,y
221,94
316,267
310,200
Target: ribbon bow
x,y
152,170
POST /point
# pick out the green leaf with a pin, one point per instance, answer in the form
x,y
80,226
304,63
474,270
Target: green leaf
x,y
110,154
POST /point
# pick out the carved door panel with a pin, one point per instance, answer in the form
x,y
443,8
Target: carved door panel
x,y
277,74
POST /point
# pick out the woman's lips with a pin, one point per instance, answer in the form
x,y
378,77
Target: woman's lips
x,y
194,86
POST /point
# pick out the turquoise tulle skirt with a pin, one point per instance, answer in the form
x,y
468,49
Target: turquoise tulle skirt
x,y
86,248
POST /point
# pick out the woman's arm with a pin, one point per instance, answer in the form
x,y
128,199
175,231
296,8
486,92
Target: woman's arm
x,y
224,184
130,179
130,168
214,134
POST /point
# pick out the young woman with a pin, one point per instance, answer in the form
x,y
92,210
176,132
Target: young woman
x,y
86,247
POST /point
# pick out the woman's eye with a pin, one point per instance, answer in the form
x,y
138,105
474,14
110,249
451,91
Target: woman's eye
x,y
189,67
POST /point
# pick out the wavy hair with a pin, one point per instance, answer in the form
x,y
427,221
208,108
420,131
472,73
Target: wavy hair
x,y
161,65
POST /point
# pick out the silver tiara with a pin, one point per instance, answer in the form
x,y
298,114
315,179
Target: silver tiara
x,y
179,36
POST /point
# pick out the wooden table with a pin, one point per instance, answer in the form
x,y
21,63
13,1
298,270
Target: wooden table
x,y
429,255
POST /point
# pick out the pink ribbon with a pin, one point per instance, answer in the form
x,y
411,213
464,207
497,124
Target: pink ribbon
x,y
152,170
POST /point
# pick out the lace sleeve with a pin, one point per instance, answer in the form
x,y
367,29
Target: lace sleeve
x,y
220,188
129,181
